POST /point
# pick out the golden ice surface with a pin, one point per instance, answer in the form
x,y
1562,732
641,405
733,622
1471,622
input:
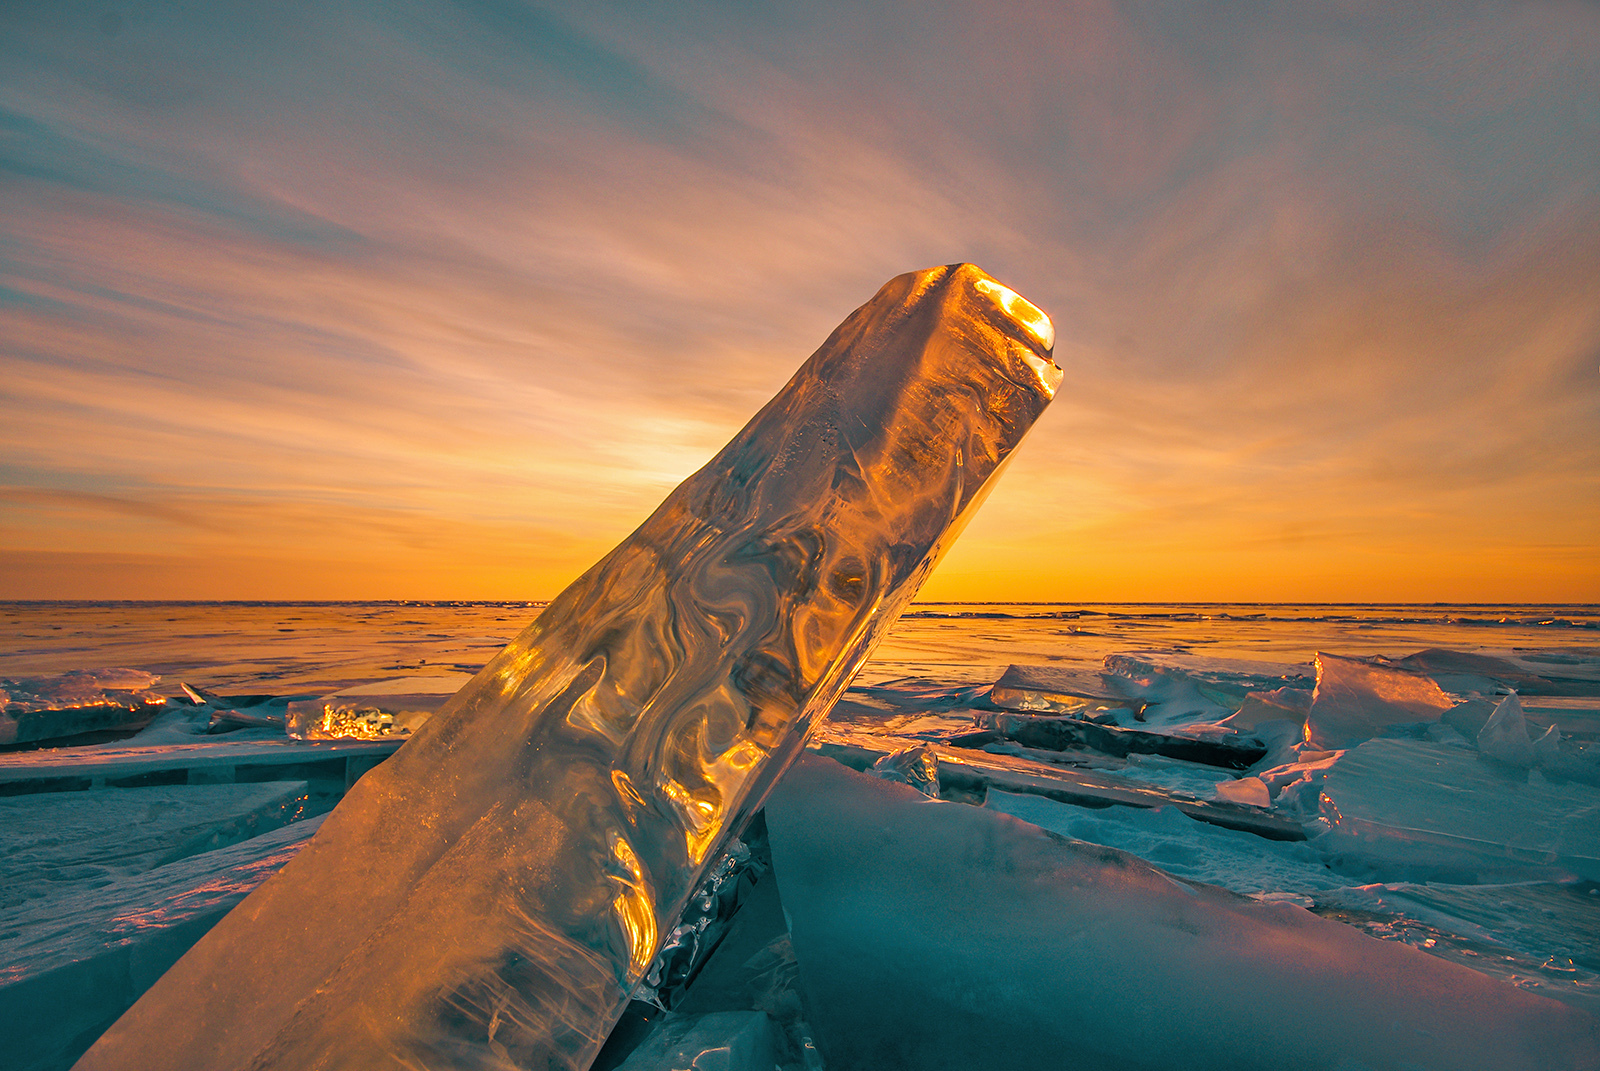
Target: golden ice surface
x,y
491,895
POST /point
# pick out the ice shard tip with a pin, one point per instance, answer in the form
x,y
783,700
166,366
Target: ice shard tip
x,y
490,895
1031,319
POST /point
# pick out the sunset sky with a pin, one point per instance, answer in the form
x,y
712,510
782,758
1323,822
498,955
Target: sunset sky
x,y
417,299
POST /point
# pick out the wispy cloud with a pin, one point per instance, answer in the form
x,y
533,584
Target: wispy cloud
x,y
387,284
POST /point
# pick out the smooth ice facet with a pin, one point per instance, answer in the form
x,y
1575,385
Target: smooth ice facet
x,y
491,894
945,937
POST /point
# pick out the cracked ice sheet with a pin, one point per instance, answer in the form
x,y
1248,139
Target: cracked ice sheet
x,y
58,843
1535,935
1415,810
1532,935
1196,851
73,963
1174,775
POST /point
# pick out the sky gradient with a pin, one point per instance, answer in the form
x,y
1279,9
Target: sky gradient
x,y
414,299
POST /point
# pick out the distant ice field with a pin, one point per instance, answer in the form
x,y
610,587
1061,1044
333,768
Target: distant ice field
x,y
319,647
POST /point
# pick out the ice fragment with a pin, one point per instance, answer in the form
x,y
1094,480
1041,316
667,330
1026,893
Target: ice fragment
x,y
117,701
1247,790
1469,717
1261,709
394,707
917,766
1058,690
1356,700
1467,671
1505,737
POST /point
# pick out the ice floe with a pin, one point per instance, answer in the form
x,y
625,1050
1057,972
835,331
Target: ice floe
x,y
1505,737
68,705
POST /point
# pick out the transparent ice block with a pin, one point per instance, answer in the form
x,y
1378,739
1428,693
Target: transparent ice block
x,y
490,896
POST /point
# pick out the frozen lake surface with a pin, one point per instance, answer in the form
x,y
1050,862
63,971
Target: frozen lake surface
x,y
1433,811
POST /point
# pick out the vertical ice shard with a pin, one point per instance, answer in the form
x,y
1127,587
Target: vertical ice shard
x,y
490,895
